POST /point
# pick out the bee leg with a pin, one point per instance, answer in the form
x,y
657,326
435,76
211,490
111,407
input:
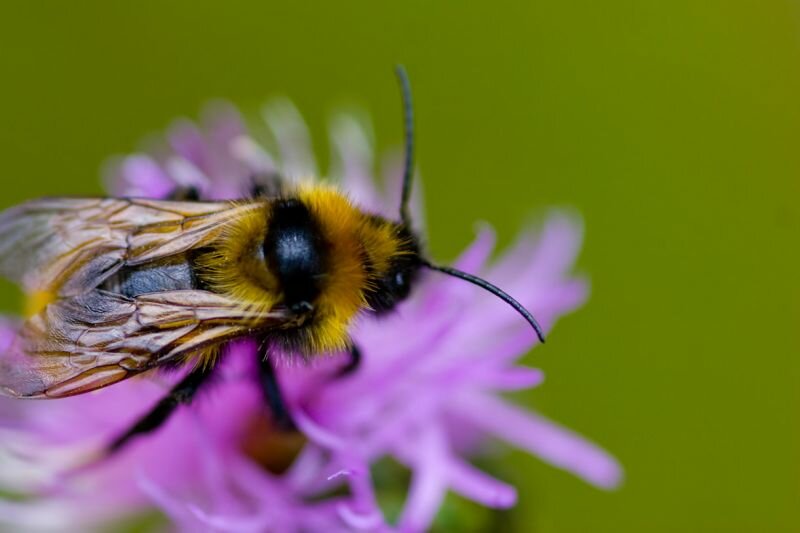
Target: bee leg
x,y
185,194
181,394
272,393
353,364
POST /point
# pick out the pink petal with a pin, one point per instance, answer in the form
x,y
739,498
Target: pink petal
x,y
186,174
444,289
546,257
317,433
8,333
428,482
307,468
554,444
362,513
294,142
355,162
358,521
189,144
141,176
251,155
511,379
393,174
176,509
230,178
478,486
256,522
223,123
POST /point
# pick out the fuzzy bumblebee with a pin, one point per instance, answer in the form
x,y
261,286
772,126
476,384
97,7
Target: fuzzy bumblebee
x,y
121,286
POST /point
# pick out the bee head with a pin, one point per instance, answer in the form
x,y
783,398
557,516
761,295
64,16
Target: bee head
x,y
390,278
331,260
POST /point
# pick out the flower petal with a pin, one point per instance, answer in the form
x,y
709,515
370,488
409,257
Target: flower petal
x,y
478,486
554,444
294,141
253,156
141,176
428,481
354,162
392,175
425,394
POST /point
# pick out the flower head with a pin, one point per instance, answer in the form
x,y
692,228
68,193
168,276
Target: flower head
x,y
428,394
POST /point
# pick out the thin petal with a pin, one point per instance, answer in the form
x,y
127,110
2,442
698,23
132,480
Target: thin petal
x,y
177,510
223,124
188,143
141,176
354,162
362,513
185,174
478,486
359,521
392,173
444,289
317,433
428,482
294,141
510,379
253,156
255,522
543,259
475,256
307,468
554,444
8,332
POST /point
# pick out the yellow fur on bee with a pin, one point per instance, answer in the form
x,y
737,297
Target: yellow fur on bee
x,y
341,293
350,234
235,264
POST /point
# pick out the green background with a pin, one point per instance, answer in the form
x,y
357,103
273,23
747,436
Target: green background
x,y
671,126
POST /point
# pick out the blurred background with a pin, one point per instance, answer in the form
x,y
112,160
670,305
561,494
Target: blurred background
x,y
673,127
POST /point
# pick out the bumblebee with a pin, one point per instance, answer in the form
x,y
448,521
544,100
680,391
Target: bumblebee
x,y
121,286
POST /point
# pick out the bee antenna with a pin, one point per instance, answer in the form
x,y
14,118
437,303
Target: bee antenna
x,y
408,162
475,280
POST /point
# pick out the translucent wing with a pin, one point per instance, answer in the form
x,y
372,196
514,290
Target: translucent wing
x,y
67,246
83,337
86,342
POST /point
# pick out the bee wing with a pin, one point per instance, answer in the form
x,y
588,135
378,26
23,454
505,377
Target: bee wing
x,y
86,342
66,246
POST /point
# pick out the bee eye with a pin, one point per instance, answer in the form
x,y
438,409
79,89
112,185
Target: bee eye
x,y
402,287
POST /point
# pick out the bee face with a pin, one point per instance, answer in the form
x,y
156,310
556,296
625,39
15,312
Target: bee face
x,y
393,285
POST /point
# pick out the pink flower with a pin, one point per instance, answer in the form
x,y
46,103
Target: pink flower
x,y
428,394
